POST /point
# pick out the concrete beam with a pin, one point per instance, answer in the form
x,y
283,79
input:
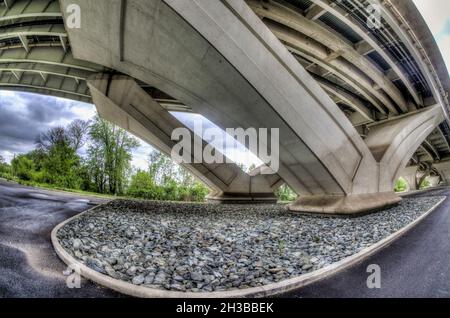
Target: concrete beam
x,y
45,69
24,41
428,153
410,176
347,98
35,81
30,9
55,30
9,3
444,139
365,48
46,55
277,12
45,91
342,76
120,100
433,151
444,171
315,12
63,40
311,47
401,29
355,26
393,142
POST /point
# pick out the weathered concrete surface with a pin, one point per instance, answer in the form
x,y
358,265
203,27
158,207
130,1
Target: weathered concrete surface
x,y
345,205
122,101
410,176
444,171
394,142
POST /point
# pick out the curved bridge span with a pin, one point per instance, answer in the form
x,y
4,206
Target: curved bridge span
x,y
356,103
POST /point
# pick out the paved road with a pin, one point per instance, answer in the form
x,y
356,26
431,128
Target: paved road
x,y
416,265
28,265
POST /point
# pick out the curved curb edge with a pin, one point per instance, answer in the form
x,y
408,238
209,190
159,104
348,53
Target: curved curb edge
x,y
262,291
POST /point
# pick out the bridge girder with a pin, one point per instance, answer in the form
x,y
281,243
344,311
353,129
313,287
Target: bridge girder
x,y
35,54
301,43
29,9
370,41
296,21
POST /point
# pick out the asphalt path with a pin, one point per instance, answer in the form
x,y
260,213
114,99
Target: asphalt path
x,y
29,267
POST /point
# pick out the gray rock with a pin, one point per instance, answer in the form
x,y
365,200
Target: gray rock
x,y
95,265
196,276
138,280
76,244
149,279
160,278
198,247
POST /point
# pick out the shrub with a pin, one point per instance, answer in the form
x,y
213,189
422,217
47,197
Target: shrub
x,y
285,193
401,185
143,186
425,184
23,168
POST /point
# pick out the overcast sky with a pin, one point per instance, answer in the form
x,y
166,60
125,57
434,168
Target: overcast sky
x,y
437,16
23,116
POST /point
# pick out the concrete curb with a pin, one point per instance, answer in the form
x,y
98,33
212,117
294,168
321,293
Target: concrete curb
x,y
263,291
419,192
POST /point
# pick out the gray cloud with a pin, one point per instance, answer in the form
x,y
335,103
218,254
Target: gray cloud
x,y
24,116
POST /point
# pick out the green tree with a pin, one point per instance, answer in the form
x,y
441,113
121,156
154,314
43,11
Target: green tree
x,y
425,184
5,169
78,133
96,170
110,155
56,158
401,185
166,180
61,166
142,186
23,167
285,193
161,168
186,178
75,136
39,156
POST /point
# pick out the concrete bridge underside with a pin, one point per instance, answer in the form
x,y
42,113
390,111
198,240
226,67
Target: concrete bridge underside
x,y
352,111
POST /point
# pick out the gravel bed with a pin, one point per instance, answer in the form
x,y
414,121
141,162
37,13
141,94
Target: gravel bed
x,y
203,248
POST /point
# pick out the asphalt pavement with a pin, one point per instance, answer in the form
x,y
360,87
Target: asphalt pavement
x,y
29,267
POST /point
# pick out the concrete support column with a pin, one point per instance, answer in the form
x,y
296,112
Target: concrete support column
x,y
443,168
410,175
393,142
120,100
434,181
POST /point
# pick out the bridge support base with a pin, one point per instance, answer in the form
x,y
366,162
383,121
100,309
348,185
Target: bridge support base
x,y
239,198
345,205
